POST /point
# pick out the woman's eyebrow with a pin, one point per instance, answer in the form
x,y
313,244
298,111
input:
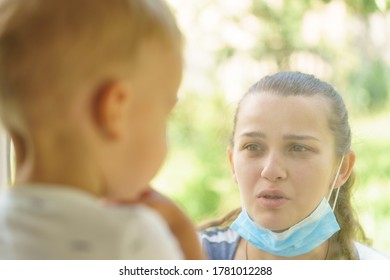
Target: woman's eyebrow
x,y
299,137
296,137
253,134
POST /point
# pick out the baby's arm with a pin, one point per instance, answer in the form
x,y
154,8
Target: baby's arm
x,y
178,222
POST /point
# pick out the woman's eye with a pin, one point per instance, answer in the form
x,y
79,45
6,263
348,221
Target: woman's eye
x,y
299,148
252,147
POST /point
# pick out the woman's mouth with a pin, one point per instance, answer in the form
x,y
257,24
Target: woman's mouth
x,y
272,198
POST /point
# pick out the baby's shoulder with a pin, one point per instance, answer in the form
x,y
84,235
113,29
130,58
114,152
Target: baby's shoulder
x,y
147,234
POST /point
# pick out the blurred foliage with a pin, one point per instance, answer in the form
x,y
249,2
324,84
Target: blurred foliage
x,y
365,7
370,86
371,144
200,140
230,44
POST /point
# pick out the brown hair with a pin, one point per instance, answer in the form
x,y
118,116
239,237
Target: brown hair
x,y
300,84
52,50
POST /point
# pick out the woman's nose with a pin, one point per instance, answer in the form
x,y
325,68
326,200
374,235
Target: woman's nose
x,y
272,168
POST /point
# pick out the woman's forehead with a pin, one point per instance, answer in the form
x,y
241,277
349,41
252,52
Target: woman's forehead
x,y
265,112
264,101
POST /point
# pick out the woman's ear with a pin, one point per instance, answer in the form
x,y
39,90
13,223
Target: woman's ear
x,y
346,169
110,105
231,162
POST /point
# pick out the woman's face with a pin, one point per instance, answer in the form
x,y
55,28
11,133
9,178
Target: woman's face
x,y
283,157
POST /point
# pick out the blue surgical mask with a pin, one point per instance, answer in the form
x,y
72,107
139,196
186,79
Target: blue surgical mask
x,y
299,239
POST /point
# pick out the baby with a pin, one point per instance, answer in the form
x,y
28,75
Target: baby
x,y
86,87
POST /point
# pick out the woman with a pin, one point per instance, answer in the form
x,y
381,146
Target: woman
x,y
291,157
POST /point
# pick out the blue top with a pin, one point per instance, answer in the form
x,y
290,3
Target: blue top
x,y
221,244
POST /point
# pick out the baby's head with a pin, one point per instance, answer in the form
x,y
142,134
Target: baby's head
x,y
89,82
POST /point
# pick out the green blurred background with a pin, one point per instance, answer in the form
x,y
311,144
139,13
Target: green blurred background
x,y
230,44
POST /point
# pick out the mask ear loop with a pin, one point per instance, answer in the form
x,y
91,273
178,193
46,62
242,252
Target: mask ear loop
x,y
334,183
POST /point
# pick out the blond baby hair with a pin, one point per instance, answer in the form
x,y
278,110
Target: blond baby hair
x,y
53,50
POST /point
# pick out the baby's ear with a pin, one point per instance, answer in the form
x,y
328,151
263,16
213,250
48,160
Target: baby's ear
x,y
110,104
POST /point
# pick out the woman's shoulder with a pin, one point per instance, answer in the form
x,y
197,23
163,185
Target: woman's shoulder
x,y
219,243
218,235
368,253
